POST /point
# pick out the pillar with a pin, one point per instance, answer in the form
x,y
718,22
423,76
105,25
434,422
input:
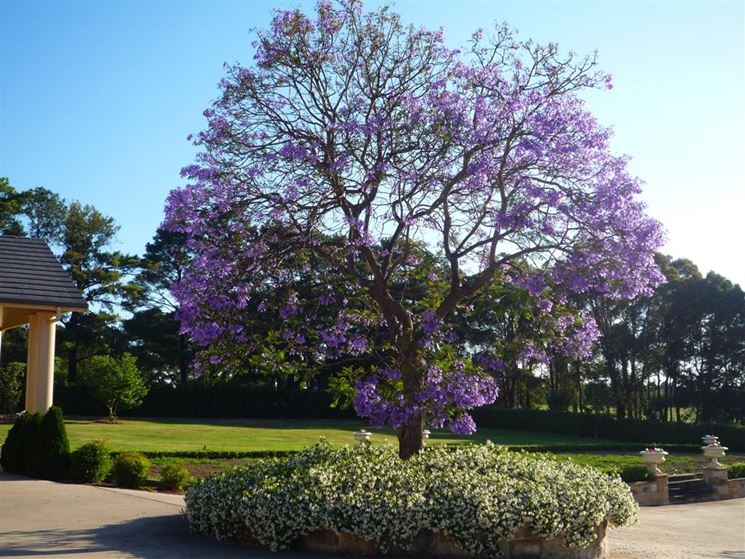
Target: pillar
x,y
42,334
1,335
32,360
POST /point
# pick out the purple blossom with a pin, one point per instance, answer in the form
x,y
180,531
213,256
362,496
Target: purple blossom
x,y
278,181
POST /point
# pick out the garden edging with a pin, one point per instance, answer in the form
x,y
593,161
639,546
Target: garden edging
x,y
523,545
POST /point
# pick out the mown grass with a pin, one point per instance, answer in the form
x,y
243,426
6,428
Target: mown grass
x,y
180,435
244,435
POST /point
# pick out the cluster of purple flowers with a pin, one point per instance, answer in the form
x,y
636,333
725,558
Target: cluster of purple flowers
x,y
442,401
279,176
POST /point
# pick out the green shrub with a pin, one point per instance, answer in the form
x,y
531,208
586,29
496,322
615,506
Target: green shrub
x,y
26,442
477,494
50,449
130,469
607,427
736,470
90,463
11,458
631,473
11,386
173,477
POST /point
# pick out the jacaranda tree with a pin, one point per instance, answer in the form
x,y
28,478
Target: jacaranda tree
x,y
356,140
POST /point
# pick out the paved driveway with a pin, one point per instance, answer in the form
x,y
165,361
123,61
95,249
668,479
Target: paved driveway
x,y
60,521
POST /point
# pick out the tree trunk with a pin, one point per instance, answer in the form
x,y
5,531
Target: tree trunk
x,y
72,363
410,437
183,362
72,353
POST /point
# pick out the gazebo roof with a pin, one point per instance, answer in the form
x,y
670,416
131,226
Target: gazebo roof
x,y
31,276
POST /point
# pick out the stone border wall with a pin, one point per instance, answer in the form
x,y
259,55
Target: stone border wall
x,y
724,488
651,493
523,545
655,493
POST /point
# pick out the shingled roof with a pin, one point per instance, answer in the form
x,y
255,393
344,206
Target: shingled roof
x,y
31,275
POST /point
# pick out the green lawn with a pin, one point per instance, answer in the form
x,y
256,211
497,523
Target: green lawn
x,y
249,435
245,435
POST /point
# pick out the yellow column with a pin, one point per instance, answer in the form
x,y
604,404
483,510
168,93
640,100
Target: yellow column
x,y
1,335
32,362
47,328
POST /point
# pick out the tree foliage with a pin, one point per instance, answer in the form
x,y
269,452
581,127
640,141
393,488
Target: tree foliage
x,y
115,382
356,139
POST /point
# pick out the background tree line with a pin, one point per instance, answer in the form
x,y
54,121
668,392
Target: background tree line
x,y
676,355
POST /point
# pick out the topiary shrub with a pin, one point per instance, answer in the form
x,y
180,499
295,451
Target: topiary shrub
x,y
736,470
50,449
90,463
26,442
11,458
130,469
173,477
478,495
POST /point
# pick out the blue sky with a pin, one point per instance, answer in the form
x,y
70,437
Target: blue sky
x,y
97,98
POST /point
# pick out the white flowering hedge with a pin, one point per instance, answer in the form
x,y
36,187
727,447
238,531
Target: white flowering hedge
x,y
477,494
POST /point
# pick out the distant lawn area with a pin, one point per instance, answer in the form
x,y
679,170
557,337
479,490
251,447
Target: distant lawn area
x,y
247,435
268,435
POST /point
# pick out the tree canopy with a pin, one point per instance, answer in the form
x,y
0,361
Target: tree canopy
x,y
357,139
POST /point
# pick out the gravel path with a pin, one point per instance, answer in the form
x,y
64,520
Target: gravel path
x,y
695,531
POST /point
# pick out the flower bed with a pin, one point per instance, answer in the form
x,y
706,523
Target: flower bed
x,y
478,496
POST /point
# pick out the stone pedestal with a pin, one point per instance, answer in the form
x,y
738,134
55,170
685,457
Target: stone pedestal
x,y
652,493
715,476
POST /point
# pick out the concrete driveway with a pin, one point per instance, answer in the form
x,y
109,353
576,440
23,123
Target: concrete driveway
x,y
45,519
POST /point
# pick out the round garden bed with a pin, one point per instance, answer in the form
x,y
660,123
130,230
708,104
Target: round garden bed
x,y
473,500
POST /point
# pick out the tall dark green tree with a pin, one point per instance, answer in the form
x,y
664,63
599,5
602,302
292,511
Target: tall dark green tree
x,y
44,213
99,272
10,206
153,330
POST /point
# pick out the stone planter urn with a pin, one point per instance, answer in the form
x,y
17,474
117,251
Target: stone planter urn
x,y
709,439
653,457
714,452
425,435
362,436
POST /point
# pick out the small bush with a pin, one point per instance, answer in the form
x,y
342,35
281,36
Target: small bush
x,y
11,458
130,469
736,470
173,477
26,442
631,473
11,386
477,494
90,463
50,449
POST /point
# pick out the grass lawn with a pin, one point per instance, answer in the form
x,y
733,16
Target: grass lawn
x,y
249,435
281,435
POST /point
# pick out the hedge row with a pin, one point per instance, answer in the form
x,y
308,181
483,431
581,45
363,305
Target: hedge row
x,y
255,454
606,427
215,454
228,400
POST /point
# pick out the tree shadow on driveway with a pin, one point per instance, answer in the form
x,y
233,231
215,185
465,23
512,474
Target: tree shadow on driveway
x,y
153,537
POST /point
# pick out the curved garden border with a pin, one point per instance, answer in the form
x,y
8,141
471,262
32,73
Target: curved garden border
x,y
523,545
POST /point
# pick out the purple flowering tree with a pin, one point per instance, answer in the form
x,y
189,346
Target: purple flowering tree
x,y
356,141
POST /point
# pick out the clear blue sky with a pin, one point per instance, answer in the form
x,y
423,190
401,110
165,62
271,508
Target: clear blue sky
x,y
97,99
